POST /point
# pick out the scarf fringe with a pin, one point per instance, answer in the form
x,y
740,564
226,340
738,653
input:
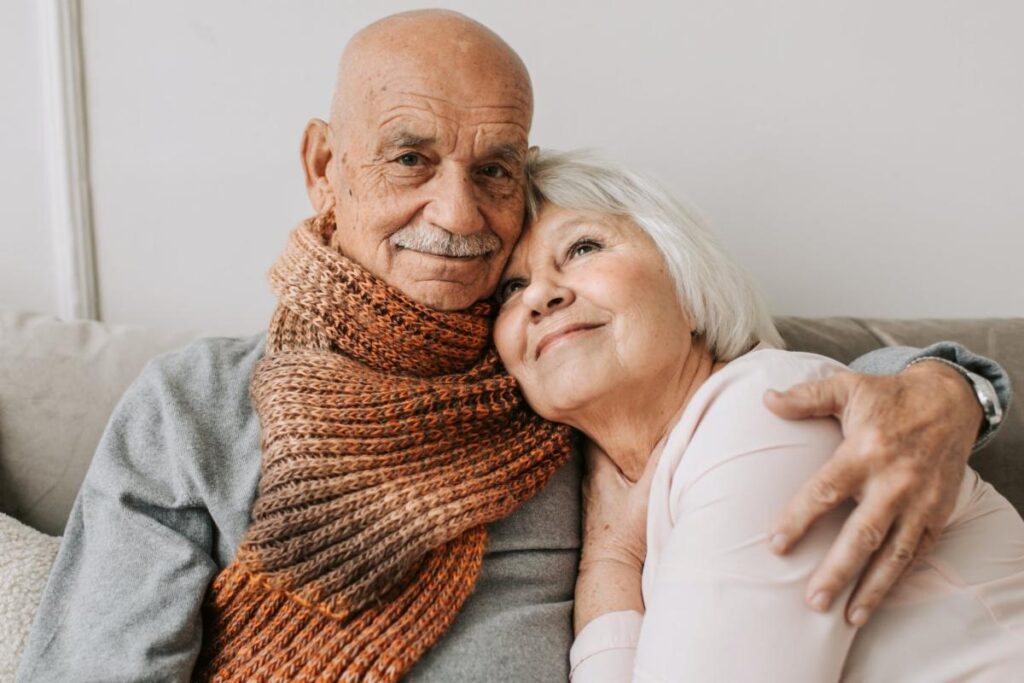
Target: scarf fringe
x,y
258,633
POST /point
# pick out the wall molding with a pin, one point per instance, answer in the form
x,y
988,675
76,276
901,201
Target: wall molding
x,y
66,137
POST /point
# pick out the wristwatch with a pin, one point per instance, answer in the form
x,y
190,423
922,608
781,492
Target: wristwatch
x,y
983,390
987,397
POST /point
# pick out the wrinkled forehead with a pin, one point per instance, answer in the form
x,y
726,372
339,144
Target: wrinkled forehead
x,y
541,235
555,227
427,117
459,88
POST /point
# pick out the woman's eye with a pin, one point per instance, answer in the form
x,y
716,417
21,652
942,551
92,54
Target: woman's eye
x,y
508,288
409,159
583,247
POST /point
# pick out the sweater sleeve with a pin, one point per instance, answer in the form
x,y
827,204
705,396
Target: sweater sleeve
x,y
719,604
123,599
604,650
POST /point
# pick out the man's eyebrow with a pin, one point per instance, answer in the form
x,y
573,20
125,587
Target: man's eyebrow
x,y
510,153
404,138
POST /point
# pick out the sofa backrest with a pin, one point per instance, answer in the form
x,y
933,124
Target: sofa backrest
x,y
59,382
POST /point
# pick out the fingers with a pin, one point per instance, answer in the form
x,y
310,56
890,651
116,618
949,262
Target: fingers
x,y
888,565
837,480
812,399
862,534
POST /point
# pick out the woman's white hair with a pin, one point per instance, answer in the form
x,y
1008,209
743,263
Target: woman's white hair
x,y
718,296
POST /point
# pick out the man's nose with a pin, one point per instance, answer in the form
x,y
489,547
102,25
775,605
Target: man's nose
x,y
544,296
454,205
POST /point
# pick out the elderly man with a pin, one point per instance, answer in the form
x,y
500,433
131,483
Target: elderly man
x,y
361,494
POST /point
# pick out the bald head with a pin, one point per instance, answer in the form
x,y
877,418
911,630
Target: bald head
x,y
423,161
447,54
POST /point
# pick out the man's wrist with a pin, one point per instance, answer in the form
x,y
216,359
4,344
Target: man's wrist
x,y
954,377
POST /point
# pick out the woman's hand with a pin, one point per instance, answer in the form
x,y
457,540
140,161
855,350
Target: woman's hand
x,y
614,511
614,537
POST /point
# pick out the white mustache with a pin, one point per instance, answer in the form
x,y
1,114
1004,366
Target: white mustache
x,y
430,239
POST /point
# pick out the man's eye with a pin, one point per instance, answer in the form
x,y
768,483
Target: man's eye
x,y
494,171
410,159
508,288
584,246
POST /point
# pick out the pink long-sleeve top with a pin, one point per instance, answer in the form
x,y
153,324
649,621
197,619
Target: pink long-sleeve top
x,y
721,607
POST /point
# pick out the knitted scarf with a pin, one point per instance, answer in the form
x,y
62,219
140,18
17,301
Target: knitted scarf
x,y
390,434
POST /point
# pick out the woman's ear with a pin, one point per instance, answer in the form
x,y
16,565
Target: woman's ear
x,y
316,155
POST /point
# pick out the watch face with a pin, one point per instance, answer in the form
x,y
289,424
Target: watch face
x,y
988,398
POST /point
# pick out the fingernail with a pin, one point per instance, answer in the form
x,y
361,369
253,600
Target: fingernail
x,y
778,543
821,600
859,616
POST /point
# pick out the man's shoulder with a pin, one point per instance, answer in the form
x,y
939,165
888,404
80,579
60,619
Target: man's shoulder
x,y
212,368
185,429
200,391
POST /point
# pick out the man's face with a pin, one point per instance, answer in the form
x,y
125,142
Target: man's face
x,y
429,187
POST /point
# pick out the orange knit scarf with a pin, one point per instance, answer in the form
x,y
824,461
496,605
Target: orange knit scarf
x,y
391,434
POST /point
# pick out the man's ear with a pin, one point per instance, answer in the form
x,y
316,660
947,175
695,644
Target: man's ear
x,y
316,155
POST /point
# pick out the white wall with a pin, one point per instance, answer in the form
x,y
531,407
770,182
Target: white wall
x,y
861,158
26,252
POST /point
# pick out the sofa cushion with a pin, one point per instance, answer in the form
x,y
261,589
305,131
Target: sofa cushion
x,y
59,382
25,559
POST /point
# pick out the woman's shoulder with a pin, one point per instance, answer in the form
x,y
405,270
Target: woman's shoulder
x,y
727,416
730,455
766,364
745,379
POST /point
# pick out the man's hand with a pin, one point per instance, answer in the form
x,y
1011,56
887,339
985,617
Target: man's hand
x,y
906,442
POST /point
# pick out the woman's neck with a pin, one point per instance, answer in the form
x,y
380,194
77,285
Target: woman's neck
x,y
628,425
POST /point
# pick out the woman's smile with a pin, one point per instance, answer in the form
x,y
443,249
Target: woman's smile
x,y
565,333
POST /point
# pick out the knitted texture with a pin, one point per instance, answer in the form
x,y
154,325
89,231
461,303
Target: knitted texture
x,y
390,434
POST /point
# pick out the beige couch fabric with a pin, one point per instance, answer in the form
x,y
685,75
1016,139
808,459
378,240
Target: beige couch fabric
x,y
59,382
25,559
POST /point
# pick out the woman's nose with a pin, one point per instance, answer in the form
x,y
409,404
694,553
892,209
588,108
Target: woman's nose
x,y
543,296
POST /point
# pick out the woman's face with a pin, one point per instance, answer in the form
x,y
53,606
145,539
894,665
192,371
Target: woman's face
x,y
588,311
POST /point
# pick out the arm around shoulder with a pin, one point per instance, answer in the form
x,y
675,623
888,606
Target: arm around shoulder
x,y
894,359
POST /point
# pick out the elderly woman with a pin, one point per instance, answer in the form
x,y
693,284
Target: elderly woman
x,y
621,317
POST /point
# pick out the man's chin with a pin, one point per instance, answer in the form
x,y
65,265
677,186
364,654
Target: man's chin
x,y
443,295
443,283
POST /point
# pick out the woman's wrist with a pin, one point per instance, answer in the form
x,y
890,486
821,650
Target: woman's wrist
x,y
610,548
606,583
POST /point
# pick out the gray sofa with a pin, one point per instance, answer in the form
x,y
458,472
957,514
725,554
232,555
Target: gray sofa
x,y
59,383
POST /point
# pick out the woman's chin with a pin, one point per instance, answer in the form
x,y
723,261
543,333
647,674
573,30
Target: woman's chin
x,y
564,407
